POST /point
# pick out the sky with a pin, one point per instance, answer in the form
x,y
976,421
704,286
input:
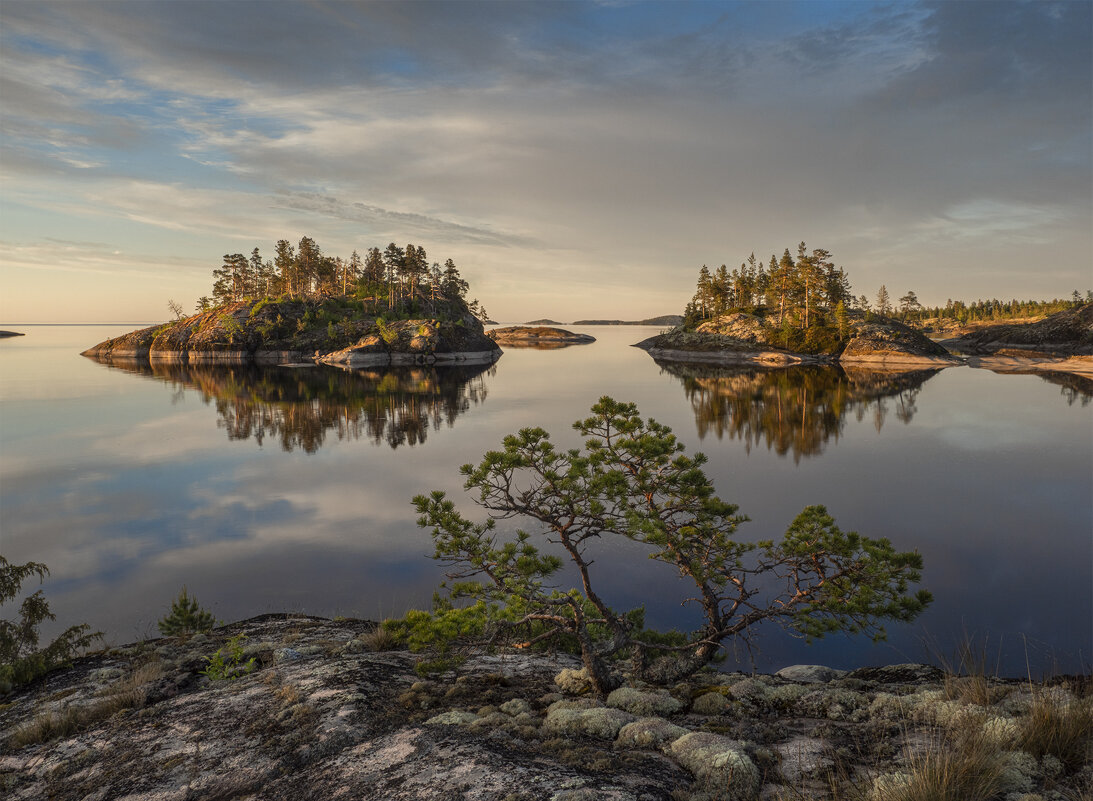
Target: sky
x,y
575,159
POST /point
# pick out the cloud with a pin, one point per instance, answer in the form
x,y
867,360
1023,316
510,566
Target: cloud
x,y
554,145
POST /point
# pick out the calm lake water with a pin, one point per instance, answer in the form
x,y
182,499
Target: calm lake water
x,y
286,489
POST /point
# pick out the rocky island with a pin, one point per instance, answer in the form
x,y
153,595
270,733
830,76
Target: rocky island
x,y
337,331
538,336
328,709
743,338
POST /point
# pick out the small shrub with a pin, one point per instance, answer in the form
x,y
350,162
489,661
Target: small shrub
x,y
389,335
185,618
21,661
1061,728
227,663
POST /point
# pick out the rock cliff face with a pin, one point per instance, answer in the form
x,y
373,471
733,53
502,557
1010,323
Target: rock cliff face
x,y
322,715
1065,333
740,338
287,331
890,342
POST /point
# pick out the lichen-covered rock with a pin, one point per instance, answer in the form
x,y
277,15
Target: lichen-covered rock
x,y
1020,773
573,681
712,703
644,704
652,732
801,757
599,722
363,724
515,707
453,718
809,674
750,691
833,704
720,765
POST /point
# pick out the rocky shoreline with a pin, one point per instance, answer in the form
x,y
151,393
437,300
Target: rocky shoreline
x,y
286,331
739,338
1061,343
326,712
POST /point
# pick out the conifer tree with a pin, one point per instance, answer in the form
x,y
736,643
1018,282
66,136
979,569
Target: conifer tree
x,y
632,480
884,303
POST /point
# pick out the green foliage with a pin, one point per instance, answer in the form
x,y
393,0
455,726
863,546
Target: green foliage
x,y
632,480
185,618
388,334
227,663
305,322
231,327
21,660
261,304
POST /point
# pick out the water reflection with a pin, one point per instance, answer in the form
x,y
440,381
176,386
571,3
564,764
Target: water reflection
x,y
1073,388
796,409
300,406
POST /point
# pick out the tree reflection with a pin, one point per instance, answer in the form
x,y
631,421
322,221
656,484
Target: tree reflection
x,y
1074,388
793,410
301,406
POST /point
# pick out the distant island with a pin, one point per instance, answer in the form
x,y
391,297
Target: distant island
x,y
544,321
538,337
303,306
10,334
664,319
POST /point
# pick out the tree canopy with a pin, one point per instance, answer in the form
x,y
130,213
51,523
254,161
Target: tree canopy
x,y
392,279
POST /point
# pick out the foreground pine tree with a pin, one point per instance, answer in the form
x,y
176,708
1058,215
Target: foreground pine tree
x,y
633,481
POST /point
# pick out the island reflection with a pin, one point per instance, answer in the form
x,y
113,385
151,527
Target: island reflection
x,y
794,410
300,406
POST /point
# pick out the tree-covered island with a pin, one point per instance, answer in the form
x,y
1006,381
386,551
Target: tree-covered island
x,y
801,309
792,310
391,307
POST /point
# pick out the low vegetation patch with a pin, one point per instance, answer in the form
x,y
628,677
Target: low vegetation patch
x,y
1059,726
21,660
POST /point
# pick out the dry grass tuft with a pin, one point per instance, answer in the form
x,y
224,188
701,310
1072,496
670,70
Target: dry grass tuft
x,y
129,693
380,639
968,676
1061,728
955,765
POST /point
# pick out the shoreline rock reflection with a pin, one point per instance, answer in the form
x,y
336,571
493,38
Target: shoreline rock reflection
x,y
794,410
300,406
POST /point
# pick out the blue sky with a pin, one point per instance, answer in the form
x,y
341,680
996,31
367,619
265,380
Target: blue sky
x,y
575,159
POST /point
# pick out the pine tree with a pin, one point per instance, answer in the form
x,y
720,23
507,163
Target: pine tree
x,y
185,618
884,303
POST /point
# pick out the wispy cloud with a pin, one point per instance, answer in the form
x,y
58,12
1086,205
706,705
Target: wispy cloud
x,y
563,140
